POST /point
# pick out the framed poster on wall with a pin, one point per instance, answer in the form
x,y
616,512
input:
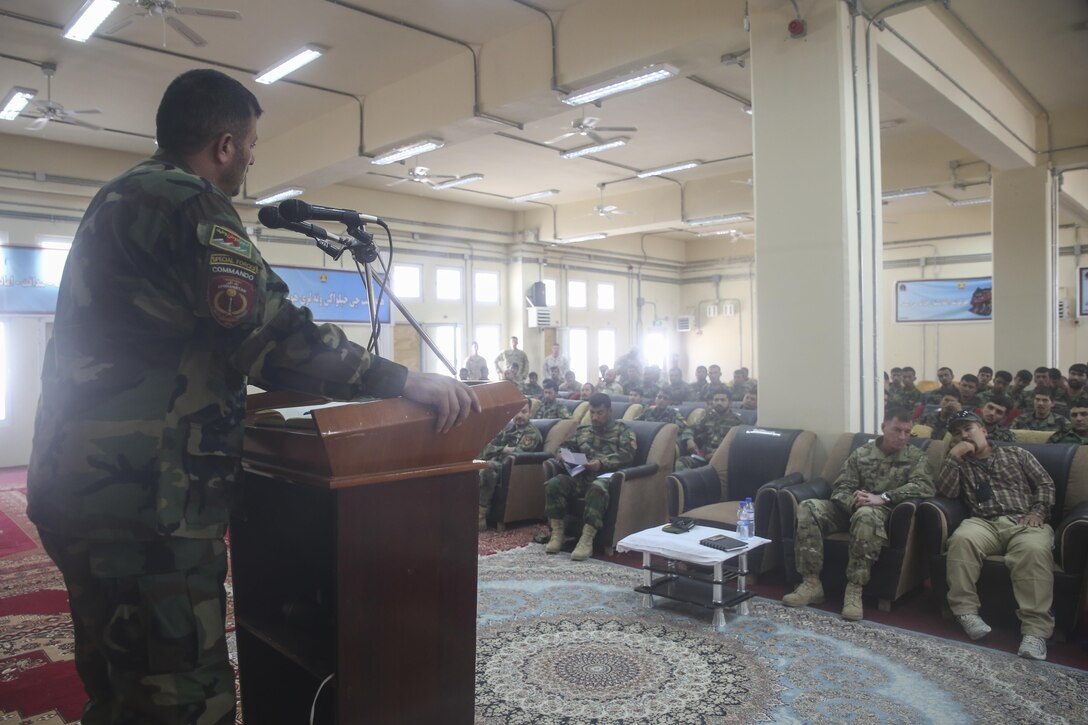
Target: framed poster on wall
x,y
1082,292
967,299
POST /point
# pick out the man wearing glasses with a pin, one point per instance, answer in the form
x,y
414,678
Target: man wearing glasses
x,y
1008,494
1078,431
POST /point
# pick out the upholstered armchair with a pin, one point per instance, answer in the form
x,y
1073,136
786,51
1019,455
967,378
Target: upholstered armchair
x,y
636,493
901,566
520,493
1067,464
752,462
692,412
576,408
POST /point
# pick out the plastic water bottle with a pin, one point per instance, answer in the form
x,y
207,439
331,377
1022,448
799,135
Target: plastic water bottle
x,y
750,509
744,525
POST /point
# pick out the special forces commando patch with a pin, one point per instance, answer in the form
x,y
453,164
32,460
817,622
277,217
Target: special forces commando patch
x,y
224,238
232,288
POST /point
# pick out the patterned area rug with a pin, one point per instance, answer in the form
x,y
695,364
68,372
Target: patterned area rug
x,y
563,642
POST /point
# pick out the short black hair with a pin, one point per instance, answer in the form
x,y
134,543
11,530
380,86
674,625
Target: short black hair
x,y
1043,369
717,390
1045,391
1081,402
969,378
897,370
986,369
549,384
598,400
199,106
632,391
953,392
898,413
1023,375
945,367
1006,375
1054,373
1079,368
1002,401
909,369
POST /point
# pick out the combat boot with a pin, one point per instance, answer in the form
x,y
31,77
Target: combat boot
x,y
585,544
556,542
810,591
851,603
483,518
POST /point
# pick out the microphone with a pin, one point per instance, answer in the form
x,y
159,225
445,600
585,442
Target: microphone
x,y
270,217
296,210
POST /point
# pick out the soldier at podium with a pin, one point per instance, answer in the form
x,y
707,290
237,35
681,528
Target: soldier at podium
x,y
166,311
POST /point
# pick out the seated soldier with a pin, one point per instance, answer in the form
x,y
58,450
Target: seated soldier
x,y
945,378
938,419
1042,416
1076,380
1018,392
518,435
874,478
608,384
1077,432
993,419
907,396
1059,391
587,392
608,445
634,396
678,390
532,386
741,385
897,380
709,432
985,375
750,402
663,412
570,383
651,382
999,386
969,398
549,406
701,385
1008,495
632,378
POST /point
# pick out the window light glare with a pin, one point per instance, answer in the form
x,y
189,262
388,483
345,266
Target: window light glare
x,y
595,148
582,238
459,181
629,82
86,21
536,195
403,152
15,102
682,166
307,54
280,196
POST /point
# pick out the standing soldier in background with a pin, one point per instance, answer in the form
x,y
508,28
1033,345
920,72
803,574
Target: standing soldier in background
x,y
166,311
507,358
476,365
608,445
556,361
519,435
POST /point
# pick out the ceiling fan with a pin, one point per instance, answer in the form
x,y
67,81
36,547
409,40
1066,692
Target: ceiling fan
x,y
168,10
50,110
422,175
606,211
587,126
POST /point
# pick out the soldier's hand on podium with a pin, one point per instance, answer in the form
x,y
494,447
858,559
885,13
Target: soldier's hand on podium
x,y
451,399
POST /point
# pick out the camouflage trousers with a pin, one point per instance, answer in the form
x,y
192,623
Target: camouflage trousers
x,y
868,535
148,618
560,490
489,481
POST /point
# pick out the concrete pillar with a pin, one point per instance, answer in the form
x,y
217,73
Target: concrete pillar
x,y
817,231
1025,299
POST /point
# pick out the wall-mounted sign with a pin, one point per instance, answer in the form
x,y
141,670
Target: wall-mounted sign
x,y
967,299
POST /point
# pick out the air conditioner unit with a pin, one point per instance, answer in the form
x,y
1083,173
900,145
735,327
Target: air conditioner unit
x,y
685,323
540,317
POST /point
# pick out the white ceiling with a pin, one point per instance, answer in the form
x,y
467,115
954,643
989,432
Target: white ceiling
x,y
1043,44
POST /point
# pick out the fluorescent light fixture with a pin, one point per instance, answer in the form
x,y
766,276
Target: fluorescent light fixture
x,y
682,166
280,196
722,219
718,233
971,202
583,238
890,123
403,152
595,148
629,82
747,109
459,181
536,195
86,21
904,193
15,101
290,64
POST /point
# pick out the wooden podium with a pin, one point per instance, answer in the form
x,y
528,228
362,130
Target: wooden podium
x,y
353,553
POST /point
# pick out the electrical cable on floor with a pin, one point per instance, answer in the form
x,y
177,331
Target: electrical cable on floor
x,y
313,707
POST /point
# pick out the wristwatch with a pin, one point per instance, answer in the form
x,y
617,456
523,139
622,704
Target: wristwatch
x,y
886,497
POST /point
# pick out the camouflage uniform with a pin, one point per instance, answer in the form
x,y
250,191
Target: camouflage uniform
x,y
508,357
737,391
521,438
612,388
165,308
708,434
614,447
1068,436
667,414
903,475
935,421
477,367
570,387
554,409
678,392
533,390
1000,433
904,398
1028,421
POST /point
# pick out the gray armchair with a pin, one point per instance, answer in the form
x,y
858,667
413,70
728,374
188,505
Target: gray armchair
x,y
520,493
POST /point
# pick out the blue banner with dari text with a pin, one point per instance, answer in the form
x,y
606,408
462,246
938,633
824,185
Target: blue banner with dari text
x,y
944,300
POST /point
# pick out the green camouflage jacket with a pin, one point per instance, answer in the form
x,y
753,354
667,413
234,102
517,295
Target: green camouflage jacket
x,y
902,475
506,357
523,438
614,446
667,414
554,409
1068,436
1001,433
1028,421
678,392
530,389
904,398
166,310
709,432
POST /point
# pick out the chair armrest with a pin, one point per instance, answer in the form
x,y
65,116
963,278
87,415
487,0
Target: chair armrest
x,y
812,488
643,471
552,467
766,503
523,457
1071,540
938,518
695,487
901,522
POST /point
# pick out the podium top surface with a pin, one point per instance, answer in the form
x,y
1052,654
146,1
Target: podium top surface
x,y
372,441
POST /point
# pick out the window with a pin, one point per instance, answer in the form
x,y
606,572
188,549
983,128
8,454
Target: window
x,y
606,348
490,343
606,296
550,294
407,281
447,283
655,351
576,293
486,287
577,343
447,339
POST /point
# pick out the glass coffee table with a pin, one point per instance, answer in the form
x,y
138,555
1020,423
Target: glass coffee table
x,y
691,572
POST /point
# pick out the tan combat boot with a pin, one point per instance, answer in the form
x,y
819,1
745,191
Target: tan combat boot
x,y
556,542
585,544
851,603
483,518
810,591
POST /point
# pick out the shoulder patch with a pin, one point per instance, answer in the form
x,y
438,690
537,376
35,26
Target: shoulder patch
x,y
232,288
224,238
